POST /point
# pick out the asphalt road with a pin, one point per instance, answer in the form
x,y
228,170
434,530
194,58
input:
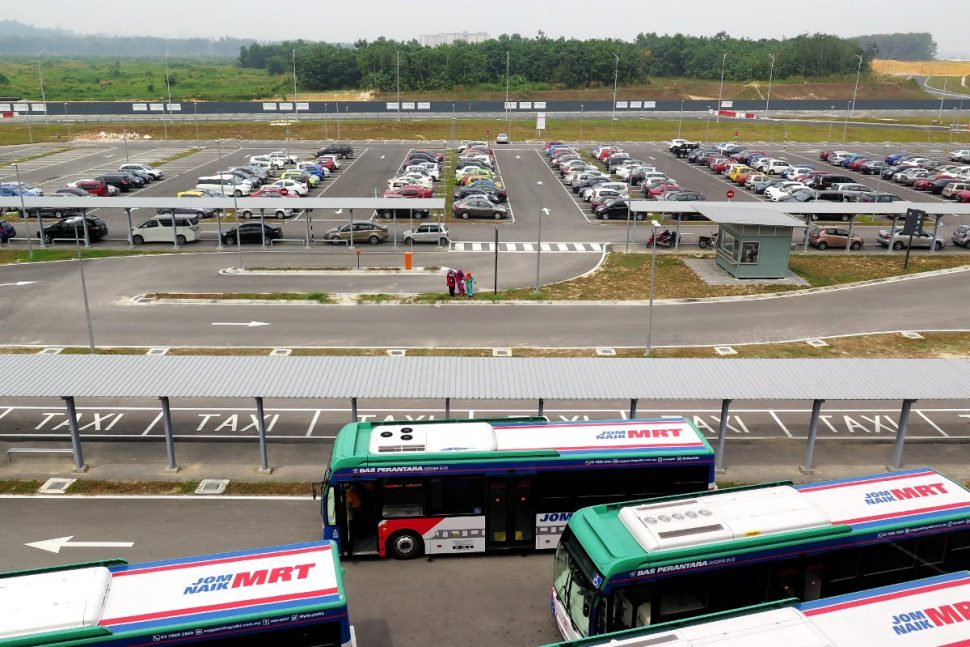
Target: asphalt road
x,y
495,599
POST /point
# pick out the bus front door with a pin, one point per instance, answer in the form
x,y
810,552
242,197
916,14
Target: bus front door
x,y
509,521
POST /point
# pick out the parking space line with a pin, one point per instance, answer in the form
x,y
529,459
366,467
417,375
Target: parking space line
x,y
313,423
932,424
6,411
780,423
152,424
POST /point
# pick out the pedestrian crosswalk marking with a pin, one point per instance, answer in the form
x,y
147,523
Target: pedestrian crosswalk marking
x,y
527,247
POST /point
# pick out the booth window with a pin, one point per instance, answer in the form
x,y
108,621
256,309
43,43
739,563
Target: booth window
x,y
728,243
749,252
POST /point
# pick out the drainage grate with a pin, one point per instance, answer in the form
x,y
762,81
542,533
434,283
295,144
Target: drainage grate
x,y
396,352
50,350
162,350
212,486
606,352
816,343
913,335
501,352
280,352
725,350
55,486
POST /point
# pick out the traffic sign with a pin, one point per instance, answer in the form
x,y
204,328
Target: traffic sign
x,y
284,191
730,194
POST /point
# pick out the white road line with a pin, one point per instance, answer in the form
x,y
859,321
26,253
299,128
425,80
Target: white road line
x,y
510,247
313,423
8,410
152,424
780,423
546,247
528,247
562,247
932,424
476,247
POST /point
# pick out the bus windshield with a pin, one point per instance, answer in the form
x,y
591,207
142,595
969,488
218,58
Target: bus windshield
x,y
572,585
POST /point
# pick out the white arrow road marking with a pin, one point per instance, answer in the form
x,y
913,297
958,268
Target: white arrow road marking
x,y
247,324
518,157
339,211
55,545
3,285
545,211
382,156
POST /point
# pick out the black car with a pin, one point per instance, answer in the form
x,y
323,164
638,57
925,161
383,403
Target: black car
x,y
491,192
686,196
53,212
199,212
251,232
117,180
879,197
141,175
136,180
71,228
873,167
701,156
618,209
342,150
826,180
247,174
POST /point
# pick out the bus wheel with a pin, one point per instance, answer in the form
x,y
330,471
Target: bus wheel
x,y
405,545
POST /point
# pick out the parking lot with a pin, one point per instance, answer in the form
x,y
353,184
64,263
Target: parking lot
x,y
567,222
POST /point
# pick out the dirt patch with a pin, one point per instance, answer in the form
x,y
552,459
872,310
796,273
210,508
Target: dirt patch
x,y
920,68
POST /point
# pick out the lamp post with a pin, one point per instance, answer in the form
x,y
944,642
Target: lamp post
x,y
582,113
707,128
40,77
84,286
771,73
845,126
539,239
23,209
68,120
831,119
616,78
124,138
680,120
23,212
720,93
398,85
858,73
653,269
168,85
507,86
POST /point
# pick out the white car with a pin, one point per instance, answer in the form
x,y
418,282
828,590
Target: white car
x,y
417,178
286,158
292,186
434,174
673,143
656,175
398,182
960,155
266,161
608,188
780,190
144,168
851,186
616,186
466,145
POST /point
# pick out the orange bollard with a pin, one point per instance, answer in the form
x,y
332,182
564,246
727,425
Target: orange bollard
x,y
407,260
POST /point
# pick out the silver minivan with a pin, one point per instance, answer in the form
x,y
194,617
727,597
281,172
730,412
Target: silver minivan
x,y
430,232
160,230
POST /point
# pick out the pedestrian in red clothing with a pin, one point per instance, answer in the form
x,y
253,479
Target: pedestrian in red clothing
x,y
460,280
451,280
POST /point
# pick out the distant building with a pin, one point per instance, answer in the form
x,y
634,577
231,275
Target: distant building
x,y
433,40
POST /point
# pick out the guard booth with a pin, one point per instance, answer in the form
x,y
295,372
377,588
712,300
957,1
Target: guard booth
x,y
754,241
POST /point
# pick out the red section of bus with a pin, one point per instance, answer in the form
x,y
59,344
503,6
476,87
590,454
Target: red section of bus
x,y
420,526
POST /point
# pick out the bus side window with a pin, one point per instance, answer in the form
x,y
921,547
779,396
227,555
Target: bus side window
x,y
331,505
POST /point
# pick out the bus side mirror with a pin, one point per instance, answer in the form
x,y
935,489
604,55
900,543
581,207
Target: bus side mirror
x,y
313,489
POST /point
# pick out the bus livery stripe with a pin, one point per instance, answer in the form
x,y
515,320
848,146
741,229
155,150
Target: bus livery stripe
x,y
894,595
831,485
223,560
904,513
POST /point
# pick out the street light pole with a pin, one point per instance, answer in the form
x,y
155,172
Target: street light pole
x,y
616,78
707,128
507,86
399,85
680,120
40,77
771,73
720,93
294,85
858,73
539,239
582,113
84,286
23,213
845,126
653,270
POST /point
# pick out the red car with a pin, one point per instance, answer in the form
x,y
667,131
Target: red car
x,y
962,196
409,191
857,163
607,151
743,177
923,185
93,187
824,155
660,189
326,162
720,165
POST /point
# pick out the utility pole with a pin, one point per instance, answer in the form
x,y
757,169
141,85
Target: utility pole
x,y
720,93
616,78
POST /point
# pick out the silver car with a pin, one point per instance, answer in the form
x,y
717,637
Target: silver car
x,y
901,240
431,232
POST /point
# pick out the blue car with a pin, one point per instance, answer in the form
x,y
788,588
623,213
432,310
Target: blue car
x,y
6,232
895,157
314,169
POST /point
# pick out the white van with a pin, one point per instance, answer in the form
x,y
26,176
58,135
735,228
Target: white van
x,y
226,185
159,230
266,159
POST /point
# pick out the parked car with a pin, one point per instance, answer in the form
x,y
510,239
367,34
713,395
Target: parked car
x,y
478,207
502,138
120,181
409,191
961,236
826,180
616,209
72,228
159,229
359,232
198,212
824,237
951,190
342,150
251,233
430,232
51,212
900,240
285,157
156,174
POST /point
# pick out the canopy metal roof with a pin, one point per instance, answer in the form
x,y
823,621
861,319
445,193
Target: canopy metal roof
x,y
122,202
733,212
127,376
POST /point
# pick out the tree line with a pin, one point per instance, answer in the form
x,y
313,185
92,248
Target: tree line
x,y
548,62
901,47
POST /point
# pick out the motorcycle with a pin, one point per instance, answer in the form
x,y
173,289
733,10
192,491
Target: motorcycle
x,y
707,241
666,238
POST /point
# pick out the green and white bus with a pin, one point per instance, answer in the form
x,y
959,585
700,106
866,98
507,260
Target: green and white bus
x,y
401,489
932,612
636,564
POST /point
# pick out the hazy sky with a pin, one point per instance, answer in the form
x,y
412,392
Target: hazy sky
x,y
346,21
